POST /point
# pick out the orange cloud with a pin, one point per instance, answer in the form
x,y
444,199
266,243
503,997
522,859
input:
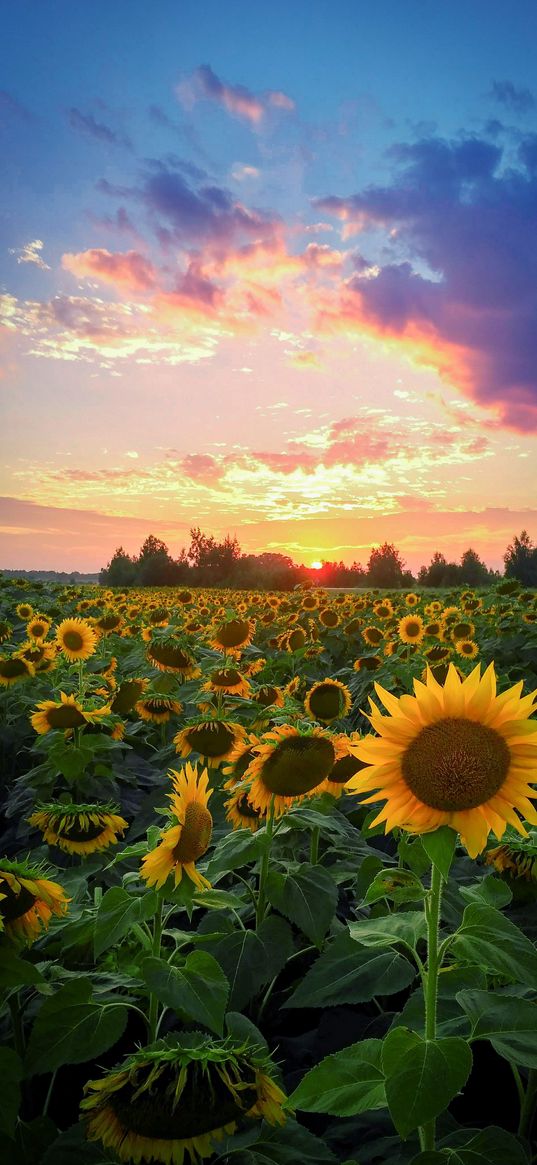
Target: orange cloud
x,y
127,269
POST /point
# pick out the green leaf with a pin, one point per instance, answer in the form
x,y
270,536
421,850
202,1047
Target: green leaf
x,y
16,972
490,1146
349,973
422,1076
490,890
508,1022
277,939
307,897
239,1027
369,868
199,989
397,884
440,848
344,1084
217,899
275,1146
117,912
11,1076
489,939
234,850
406,926
72,1027
242,957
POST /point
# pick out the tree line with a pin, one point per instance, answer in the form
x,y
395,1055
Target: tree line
x,y
208,562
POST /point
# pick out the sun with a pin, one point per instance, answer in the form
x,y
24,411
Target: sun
x,y
316,566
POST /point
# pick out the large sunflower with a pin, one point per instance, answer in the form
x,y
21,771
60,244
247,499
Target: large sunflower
x,y
456,755
188,839
214,740
76,639
173,1101
13,669
289,764
79,829
66,714
328,700
27,900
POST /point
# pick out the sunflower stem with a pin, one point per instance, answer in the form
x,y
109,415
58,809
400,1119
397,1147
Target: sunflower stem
x,y
81,679
430,985
314,845
529,1104
262,897
152,1021
49,1092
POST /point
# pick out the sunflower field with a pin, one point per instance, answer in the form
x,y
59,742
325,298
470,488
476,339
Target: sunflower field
x,y
268,876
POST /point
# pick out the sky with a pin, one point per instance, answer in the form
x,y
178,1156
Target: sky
x,y
270,270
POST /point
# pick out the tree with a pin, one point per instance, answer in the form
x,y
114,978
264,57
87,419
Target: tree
x,y
473,571
385,567
155,566
520,560
120,572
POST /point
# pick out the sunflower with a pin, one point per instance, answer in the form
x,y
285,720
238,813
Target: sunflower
x,y
214,740
232,635
328,617
66,714
37,653
268,696
293,640
373,636
14,668
228,681
38,627
412,600
437,654
184,598
328,700
411,629
462,630
367,663
240,811
353,628
288,764
239,759
167,655
456,755
5,630
127,695
383,610
434,630
108,622
76,639
79,829
172,1102
157,709
345,766
466,647
517,858
27,900
186,841
24,611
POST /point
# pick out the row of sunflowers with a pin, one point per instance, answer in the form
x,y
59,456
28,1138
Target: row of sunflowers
x,y
270,875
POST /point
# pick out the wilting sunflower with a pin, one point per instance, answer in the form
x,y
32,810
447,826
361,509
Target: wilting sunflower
x,y
66,714
328,700
38,627
76,639
289,764
79,829
214,740
456,755
157,709
240,811
517,858
28,900
126,696
172,1102
411,629
466,647
188,839
228,681
168,655
13,669
232,635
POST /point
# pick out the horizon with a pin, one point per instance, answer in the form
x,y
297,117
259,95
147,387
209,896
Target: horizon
x,y
255,280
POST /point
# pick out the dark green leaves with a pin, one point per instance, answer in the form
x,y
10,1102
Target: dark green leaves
x,y
440,848
307,897
408,926
488,939
10,1075
198,989
349,973
508,1022
16,972
422,1076
347,1083
118,911
73,1027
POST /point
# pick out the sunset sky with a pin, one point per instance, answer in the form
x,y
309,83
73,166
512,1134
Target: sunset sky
x,y
270,269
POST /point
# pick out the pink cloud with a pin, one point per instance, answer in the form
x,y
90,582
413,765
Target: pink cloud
x,y
126,269
204,84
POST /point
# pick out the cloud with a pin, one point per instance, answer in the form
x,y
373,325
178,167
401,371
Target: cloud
x,y
464,299
125,270
31,253
85,123
191,215
513,97
203,84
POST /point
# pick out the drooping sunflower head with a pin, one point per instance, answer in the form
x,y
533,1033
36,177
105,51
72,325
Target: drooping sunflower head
x,y
457,755
268,696
189,837
232,635
28,900
214,740
79,829
411,629
328,700
240,811
170,656
517,858
13,669
345,766
66,713
127,695
172,1102
76,639
288,765
227,681
240,757
108,622
157,709
367,663
5,630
